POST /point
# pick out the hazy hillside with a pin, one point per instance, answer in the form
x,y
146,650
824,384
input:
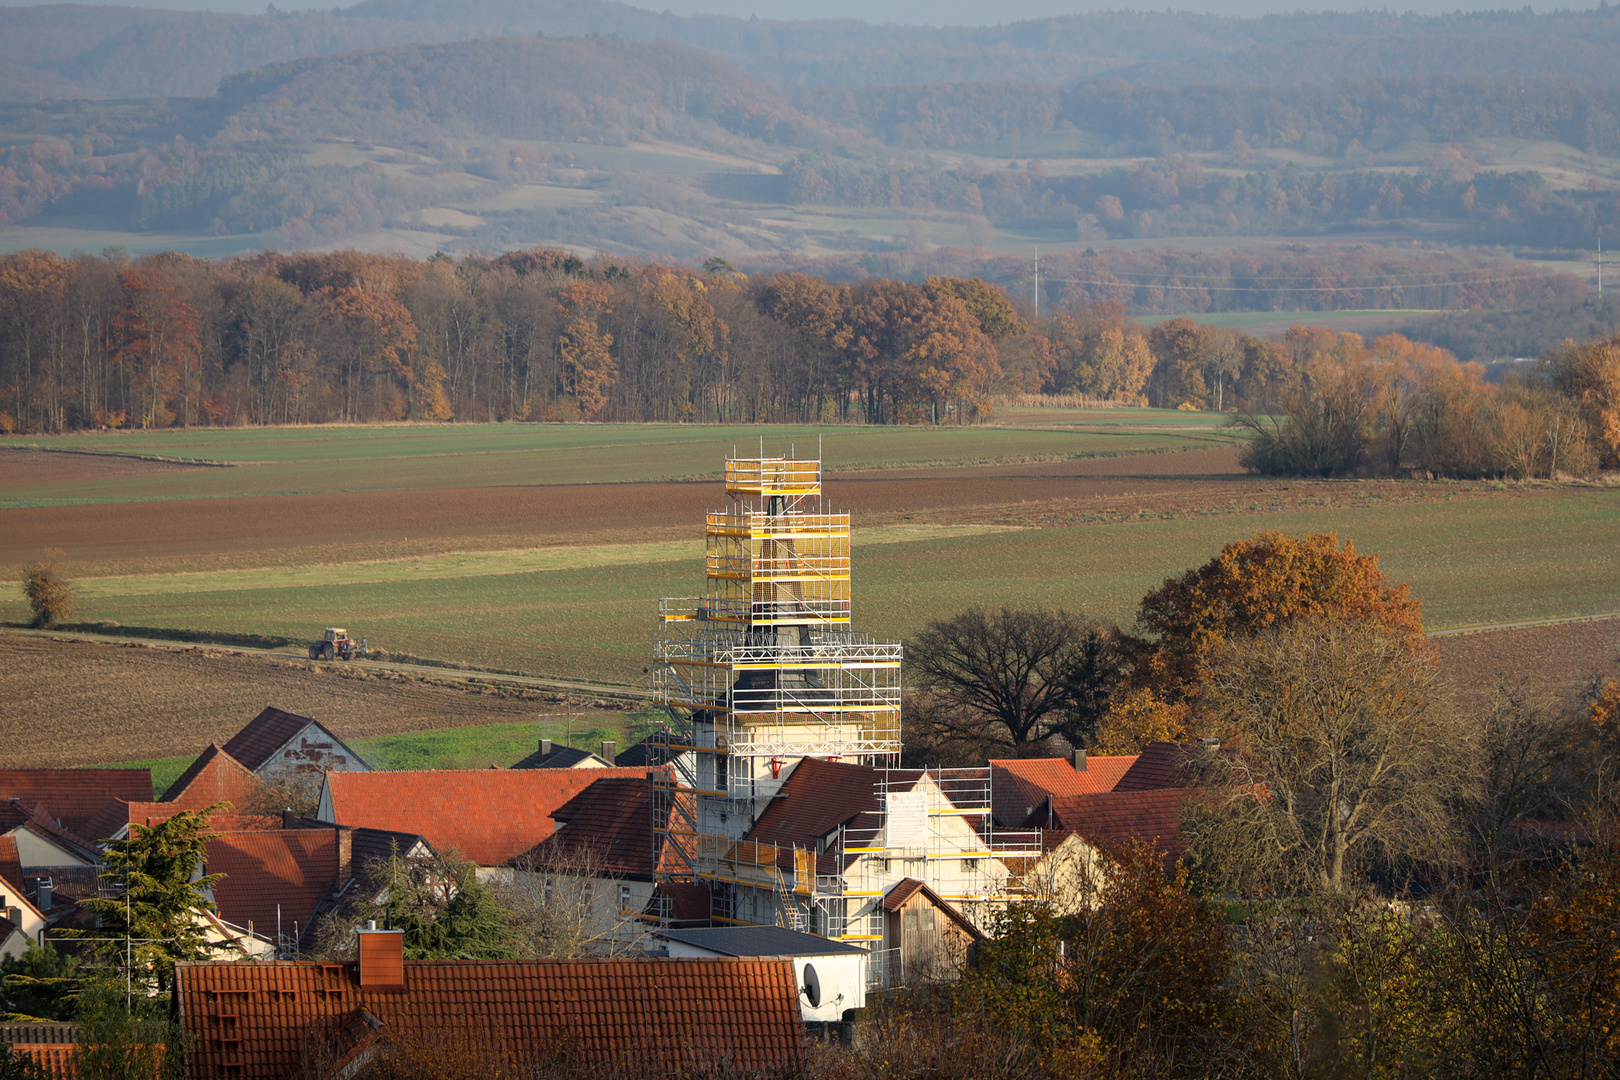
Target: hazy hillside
x,y
128,52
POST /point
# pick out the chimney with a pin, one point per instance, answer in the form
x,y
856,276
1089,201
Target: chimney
x,y
345,856
382,958
545,748
289,820
1080,760
14,915
609,749
43,894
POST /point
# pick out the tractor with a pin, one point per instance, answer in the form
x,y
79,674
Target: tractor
x,y
337,645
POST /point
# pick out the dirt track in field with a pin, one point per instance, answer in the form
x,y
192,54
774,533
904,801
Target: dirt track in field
x,y
296,529
68,703
25,468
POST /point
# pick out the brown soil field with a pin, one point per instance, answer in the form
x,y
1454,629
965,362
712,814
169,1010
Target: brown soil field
x,y
1562,659
294,529
68,703
24,468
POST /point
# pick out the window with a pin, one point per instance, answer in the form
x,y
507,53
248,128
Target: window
x,y
722,772
624,897
970,865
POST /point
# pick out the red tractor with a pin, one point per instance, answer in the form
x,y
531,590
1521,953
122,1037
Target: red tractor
x,y
337,645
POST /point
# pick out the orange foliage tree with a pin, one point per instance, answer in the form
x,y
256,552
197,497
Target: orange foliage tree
x,y
1592,373
1252,585
154,333
368,334
587,360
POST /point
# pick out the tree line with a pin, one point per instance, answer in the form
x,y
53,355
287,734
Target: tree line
x,y
542,335
1394,408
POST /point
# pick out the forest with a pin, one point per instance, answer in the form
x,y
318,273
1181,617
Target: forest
x,y
542,335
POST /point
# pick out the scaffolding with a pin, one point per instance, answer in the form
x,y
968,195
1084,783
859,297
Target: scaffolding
x,y
764,669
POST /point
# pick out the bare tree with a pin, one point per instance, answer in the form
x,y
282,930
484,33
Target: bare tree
x,y
1028,673
1347,756
1223,359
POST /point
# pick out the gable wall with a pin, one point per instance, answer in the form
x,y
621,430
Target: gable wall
x,y
313,749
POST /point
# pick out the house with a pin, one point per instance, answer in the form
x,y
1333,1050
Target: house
x,y
605,833
1114,820
647,1016
42,843
831,975
925,939
1021,787
71,797
278,745
567,757
215,777
486,816
835,839
22,925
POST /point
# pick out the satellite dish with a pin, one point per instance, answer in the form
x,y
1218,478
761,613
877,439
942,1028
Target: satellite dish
x,y
812,986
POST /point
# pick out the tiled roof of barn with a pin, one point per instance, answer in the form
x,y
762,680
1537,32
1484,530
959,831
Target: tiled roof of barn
x,y
289,868
654,1016
1019,786
72,796
609,825
214,777
264,735
489,816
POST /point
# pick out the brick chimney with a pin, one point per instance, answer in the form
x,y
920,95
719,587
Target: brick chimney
x,y
610,749
382,958
1080,760
345,856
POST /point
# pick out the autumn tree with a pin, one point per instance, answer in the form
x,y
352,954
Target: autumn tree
x,y
1180,348
1346,757
50,595
585,350
1026,675
368,336
1251,586
155,333
1591,375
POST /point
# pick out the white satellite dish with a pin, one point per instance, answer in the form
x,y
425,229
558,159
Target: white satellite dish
x,y
812,986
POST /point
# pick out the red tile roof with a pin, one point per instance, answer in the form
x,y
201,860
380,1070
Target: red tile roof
x,y
1165,765
817,797
10,861
1116,819
72,796
1019,786
650,1016
292,868
214,777
489,816
112,818
609,825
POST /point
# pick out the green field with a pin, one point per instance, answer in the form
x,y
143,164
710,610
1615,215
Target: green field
x,y
1473,555
476,747
276,461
